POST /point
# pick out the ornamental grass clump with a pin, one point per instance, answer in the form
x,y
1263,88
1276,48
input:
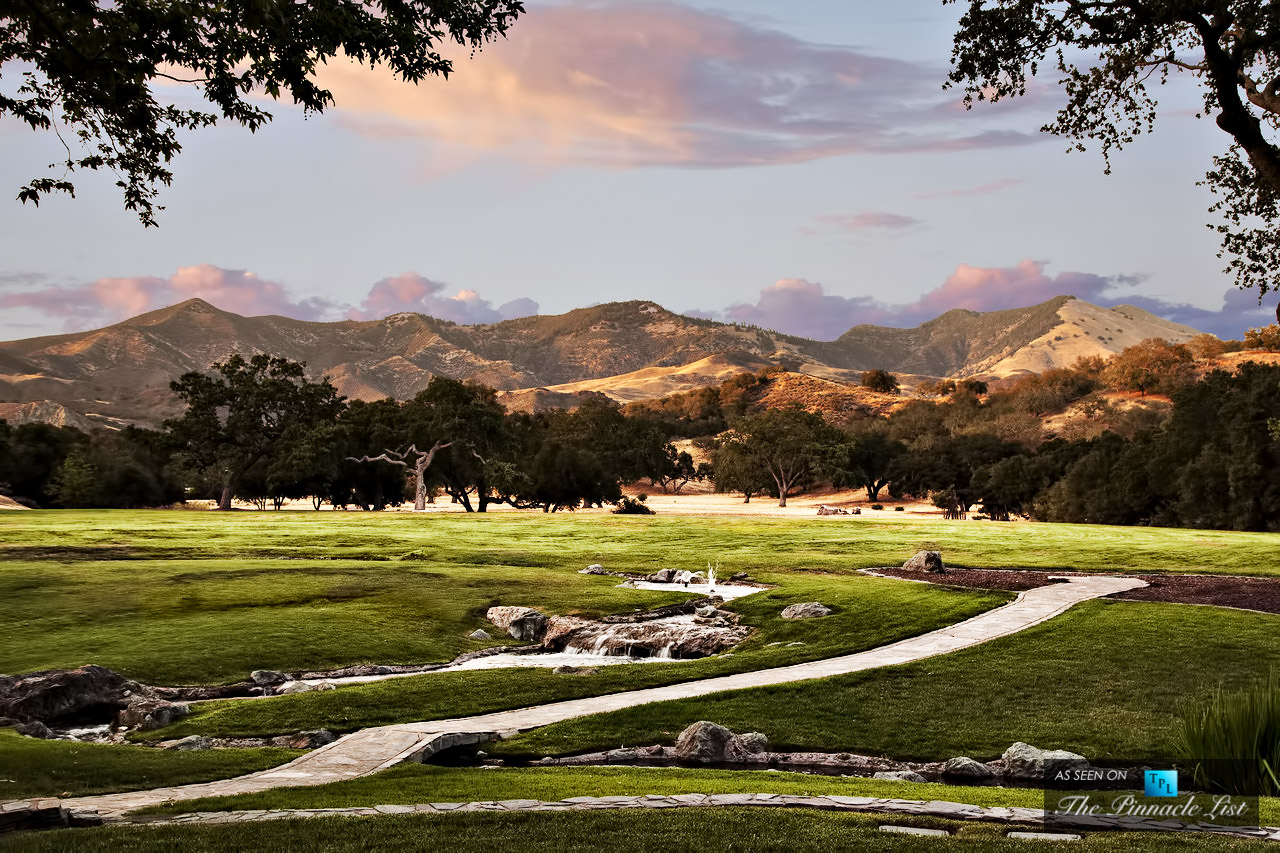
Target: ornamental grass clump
x,y
1231,742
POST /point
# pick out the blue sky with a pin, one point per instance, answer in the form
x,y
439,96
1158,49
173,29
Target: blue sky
x,y
794,165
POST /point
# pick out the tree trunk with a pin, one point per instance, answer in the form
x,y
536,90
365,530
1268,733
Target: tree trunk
x,y
224,502
420,491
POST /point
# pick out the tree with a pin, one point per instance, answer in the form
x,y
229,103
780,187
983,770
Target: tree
x,y
1231,46
75,485
868,459
734,470
793,446
880,380
1152,366
90,67
246,412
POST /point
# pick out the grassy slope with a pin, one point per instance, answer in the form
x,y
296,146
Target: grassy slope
x,y
589,832
50,768
1106,679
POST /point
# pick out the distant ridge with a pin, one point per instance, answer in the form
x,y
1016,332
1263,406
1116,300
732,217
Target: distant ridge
x,y
120,374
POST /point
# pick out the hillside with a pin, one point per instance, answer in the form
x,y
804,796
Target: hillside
x,y
628,350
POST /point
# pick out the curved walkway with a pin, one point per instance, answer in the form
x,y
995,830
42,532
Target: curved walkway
x,y
371,750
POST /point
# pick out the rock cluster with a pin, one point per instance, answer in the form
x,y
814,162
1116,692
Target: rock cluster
x,y
709,634
705,742
522,623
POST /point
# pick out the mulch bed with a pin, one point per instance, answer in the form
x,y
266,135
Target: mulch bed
x,y
1262,594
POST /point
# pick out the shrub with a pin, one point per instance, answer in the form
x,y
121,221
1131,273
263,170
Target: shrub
x,y
1266,338
1238,737
877,506
880,380
633,506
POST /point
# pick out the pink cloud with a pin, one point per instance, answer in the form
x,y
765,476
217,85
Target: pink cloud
x,y
804,308
870,220
109,300
630,84
412,292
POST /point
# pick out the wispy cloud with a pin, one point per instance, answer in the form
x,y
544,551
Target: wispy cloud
x,y
629,84
969,192
804,308
110,300
867,221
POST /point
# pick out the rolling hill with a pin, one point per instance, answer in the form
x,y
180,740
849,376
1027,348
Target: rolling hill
x,y
628,350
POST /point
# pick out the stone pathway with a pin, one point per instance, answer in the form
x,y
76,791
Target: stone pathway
x,y
1011,815
368,751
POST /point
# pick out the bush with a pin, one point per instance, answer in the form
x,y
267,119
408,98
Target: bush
x,y
633,506
1231,742
880,380
1266,338
877,506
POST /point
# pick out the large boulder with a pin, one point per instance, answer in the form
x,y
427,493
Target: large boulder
x,y
88,694
148,714
926,561
1025,762
663,576
644,639
807,610
267,677
522,623
705,742
560,627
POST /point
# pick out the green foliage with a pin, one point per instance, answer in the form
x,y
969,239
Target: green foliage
x,y
880,380
1107,53
1231,740
633,506
76,483
793,446
90,68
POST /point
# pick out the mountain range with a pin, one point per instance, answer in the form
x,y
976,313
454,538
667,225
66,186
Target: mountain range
x,y
120,374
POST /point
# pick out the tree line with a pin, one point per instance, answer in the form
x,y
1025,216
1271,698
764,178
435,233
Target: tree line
x,y
1205,453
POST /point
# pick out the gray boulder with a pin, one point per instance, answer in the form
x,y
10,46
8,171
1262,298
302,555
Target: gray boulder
x,y
705,742
521,623
291,687
966,768
191,742
926,561
593,569
479,634
900,776
663,576
35,729
1025,762
65,694
149,714
807,610
267,677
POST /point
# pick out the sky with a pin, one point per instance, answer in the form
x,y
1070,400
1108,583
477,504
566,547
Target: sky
x,y
794,165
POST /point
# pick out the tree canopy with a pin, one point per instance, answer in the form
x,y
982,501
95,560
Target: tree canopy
x,y
1231,46
90,67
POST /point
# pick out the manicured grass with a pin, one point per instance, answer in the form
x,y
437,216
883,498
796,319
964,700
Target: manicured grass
x,y
869,612
51,768
1106,679
721,829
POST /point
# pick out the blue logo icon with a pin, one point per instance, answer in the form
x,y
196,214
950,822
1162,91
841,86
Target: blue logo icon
x,y
1160,783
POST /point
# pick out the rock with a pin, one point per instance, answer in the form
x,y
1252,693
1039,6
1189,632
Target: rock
x,y
662,576
739,576
593,569
35,729
565,669
522,623
966,768
831,510
8,722
90,693
191,742
305,740
291,687
479,634
708,612
899,776
807,610
702,743
620,755
926,561
747,744
643,639
267,677
149,714
1025,762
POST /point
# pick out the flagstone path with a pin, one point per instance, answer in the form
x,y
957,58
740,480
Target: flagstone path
x,y
370,750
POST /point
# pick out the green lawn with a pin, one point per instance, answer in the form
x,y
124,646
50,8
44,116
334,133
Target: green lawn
x,y
1106,679
721,829
52,768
